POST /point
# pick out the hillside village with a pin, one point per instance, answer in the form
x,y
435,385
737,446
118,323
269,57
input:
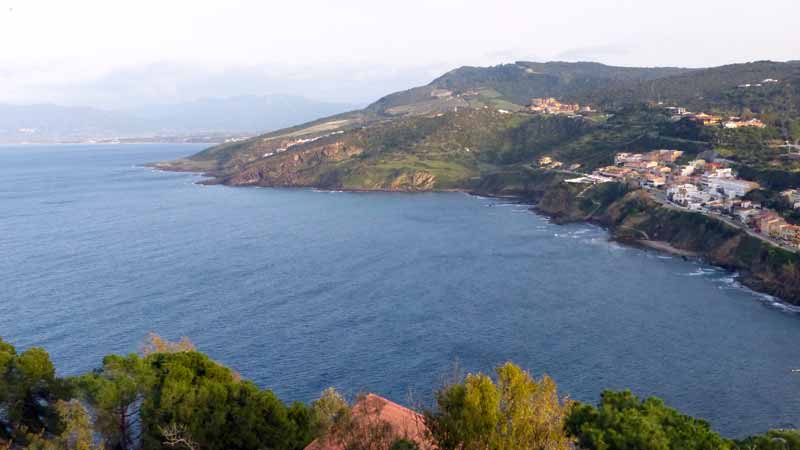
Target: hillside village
x,y
677,113
708,187
552,106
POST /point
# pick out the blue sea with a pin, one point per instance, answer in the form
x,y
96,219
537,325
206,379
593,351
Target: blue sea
x,y
299,290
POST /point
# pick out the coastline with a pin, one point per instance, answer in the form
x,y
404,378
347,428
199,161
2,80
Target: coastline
x,y
662,246
539,197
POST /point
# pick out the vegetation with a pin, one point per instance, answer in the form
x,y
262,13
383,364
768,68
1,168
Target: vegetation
x,y
622,421
516,412
177,398
28,389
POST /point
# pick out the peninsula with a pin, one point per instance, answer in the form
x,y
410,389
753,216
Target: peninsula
x,y
701,162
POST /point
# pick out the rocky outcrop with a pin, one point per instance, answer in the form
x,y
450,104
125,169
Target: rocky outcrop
x,y
301,168
419,180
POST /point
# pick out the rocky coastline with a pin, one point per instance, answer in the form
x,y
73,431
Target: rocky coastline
x,y
630,215
633,218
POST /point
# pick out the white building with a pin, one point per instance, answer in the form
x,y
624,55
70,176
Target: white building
x,y
627,158
744,215
731,187
682,193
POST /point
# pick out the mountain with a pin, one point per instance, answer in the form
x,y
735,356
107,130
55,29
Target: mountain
x,y
20,123
471,122
243,114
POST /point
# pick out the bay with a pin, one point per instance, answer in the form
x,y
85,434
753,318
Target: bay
x,y
299,290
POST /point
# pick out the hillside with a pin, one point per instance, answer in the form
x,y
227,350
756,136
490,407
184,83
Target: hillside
x,y
721,88
473,121
516,84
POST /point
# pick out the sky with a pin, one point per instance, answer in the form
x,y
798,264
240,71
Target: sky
x,y
123,53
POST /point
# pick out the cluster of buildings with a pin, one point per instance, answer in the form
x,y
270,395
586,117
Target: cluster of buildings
x,y
706,186
769,223
695,184
677,113
652,169
553,106
699,185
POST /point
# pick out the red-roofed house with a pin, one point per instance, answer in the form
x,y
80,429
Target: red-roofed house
x,y
405,423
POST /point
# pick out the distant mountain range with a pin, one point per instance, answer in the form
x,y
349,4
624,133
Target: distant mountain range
x,y
234,115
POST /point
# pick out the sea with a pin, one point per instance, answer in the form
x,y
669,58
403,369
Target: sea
x,y
391,293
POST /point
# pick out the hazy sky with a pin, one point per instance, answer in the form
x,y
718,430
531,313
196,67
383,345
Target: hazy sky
x,y
114,53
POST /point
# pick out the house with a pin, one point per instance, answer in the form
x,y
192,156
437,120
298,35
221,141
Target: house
x,y
745,214
654,181
695,166
722,172
628,158
372,409
792,195
676,110
730,187
665,156
705,119
552,106
682,193
787,232
738,123
614,172
767,221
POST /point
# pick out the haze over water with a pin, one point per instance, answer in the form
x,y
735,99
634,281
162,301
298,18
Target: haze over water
x,y
300,290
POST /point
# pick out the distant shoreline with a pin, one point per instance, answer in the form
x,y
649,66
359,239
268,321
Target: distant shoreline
x,y
111,143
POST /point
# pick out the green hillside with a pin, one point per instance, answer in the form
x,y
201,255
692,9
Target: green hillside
x,y
473,121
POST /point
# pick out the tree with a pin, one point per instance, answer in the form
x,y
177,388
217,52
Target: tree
x,y
622,421
178,437
327,411
214,409
516,412
28,392
772,440
115,392
76,434
156,344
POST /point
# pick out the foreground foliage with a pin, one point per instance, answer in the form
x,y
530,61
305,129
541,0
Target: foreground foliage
x,y
173,397
622,421
515,412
